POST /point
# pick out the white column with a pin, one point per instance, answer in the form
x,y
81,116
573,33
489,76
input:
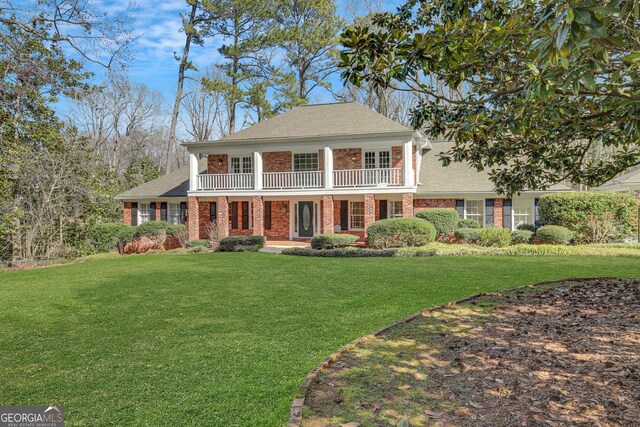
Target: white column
x,y
257,169
328,167
193,171
407,163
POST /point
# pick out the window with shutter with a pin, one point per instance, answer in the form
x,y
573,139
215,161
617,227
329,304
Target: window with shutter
x,y
488,211
233,215
134,214
152,211
506,213
267,215
213,211
344,214
163,212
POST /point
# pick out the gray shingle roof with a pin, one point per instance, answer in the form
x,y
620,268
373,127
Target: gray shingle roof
x,y
174,184
455,178
345,118
625,181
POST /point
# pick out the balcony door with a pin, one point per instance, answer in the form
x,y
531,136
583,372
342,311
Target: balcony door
x,y
377,165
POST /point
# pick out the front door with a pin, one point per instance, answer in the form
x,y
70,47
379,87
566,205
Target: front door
x,y
305,219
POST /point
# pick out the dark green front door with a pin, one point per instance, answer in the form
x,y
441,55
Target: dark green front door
x,y
305,219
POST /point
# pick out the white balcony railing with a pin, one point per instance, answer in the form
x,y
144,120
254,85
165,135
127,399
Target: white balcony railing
x,y
367,177
225,181
284,180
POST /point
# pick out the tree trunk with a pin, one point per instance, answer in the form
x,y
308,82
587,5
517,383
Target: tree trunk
x,y
176,105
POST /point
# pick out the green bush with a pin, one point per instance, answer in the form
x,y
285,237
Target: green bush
x,y
467,235
521,236
527,227
198,243
588,213
109,236
444,220
468,223
400,232
176,229
242,243
196,249
341,252
554,235
152,228
497,237
332,241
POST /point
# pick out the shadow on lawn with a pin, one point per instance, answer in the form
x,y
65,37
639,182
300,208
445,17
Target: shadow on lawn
x,y
556,355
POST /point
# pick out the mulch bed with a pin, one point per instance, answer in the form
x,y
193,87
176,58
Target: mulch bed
x,y
565,354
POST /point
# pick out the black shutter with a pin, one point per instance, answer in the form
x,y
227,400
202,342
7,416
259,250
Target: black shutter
x,y
488,211
267,215
460,208
383,209
152,214
536,220
183,212
245,215
163,211
233,213
507,209
344,214
134,213
213,211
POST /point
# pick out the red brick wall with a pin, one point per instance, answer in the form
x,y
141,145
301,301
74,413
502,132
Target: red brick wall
x,y
369,210
420,204
239,231
326,206
258,216
214,166
407,205
497,212
276,161
223,217
127,213
342,158
203,219
320,159
396,157
193,218
279,221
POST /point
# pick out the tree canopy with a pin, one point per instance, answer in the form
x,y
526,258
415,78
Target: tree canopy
x,y
537,92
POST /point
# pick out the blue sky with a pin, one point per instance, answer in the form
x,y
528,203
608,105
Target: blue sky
x,y
157,26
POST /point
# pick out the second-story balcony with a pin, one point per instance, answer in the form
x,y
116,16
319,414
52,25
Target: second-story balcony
x,y
348,178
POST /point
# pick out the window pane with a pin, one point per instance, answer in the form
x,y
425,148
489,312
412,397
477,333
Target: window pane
x,y
304,162
369,159
143,212
474,209
394,209
356,217
522,211
247,165
235,165
174,213
384,160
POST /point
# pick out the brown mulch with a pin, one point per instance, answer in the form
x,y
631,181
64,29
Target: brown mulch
x,y
566,354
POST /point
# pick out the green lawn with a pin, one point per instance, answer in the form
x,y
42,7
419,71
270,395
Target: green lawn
x,y
220,339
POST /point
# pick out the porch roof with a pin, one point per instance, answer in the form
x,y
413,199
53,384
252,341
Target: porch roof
x,y
174,184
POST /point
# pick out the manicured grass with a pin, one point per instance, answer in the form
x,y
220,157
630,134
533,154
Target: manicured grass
x,y
220,339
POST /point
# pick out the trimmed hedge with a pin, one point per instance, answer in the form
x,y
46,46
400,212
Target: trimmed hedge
x,y
176,229
468,223
106,237
580,212
332,241
521,236
152,228
554,235
467,235
198,243
444,220
527,227
341,252
497,237
400,232
242,243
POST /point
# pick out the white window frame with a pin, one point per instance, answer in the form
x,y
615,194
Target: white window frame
x,y
351,202
293,161
171,214
241,163
531,214
392,209
142,218
484,217
377,158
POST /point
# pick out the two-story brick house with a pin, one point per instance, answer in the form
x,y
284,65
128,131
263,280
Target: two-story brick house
x,y
329,168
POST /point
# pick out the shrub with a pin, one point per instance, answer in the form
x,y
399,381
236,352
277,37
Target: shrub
x,y
341,252
493,236
400,232
521,236
152,228
180,232
196,249
573,210
527,227
467,235
468,223
198,243
331,241
444,220
242,243
106,237
554,235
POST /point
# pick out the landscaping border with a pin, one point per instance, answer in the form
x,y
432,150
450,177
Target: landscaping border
x,y
295,414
